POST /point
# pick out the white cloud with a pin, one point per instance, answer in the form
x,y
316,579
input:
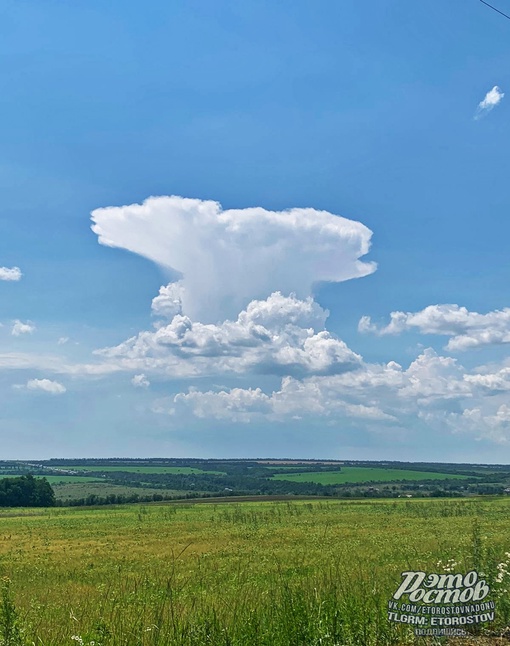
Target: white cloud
x,y
490,101
237,405
321,377
63,340
434,393
280,335
140,381
278,311
311,398
58,365
20,328
466,329
431,379
243,306
491,382
229,258
168,303
13,273
47,386
371,393
494,426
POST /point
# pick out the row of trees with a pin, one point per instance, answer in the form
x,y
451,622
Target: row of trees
x,y
26,491
219,485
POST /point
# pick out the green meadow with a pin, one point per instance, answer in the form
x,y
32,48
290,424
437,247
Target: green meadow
x,y
72,490
364,474
287,573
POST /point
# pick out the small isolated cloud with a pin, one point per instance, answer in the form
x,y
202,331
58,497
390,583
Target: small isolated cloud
x,y
490,101
47,386
140,381
228,258
20,328
13,273
63,340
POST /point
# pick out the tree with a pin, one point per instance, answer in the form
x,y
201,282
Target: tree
x,y
26,491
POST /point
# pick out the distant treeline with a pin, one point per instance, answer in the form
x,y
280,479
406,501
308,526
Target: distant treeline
x,y
239,484
26,491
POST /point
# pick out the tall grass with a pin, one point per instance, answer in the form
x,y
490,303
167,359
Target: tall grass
x,y
251,574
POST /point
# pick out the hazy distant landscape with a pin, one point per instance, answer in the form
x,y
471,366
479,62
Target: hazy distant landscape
x,y
113,481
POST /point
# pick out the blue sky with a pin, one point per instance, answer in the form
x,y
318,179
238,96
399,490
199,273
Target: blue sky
x,y
334,166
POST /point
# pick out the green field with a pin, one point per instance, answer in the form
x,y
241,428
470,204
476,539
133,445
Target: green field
x,y
364,474
128,469
246,574
74,490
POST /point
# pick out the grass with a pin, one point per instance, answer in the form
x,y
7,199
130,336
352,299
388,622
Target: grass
x,y
364,474
224,574
73,490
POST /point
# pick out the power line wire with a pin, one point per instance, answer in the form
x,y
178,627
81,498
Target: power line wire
x,y
489,5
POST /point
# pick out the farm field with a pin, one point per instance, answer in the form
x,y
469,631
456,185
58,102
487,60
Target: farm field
x,y
191,478
72,490
289,573
145,469
364,474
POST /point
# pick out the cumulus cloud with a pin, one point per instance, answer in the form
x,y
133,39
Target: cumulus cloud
x,y
20,328
229,258
373,393
236,405
431,378
47,386
494,426
168,303
11,274
436,392
489,102
281,335
140,381
491,382
466,329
